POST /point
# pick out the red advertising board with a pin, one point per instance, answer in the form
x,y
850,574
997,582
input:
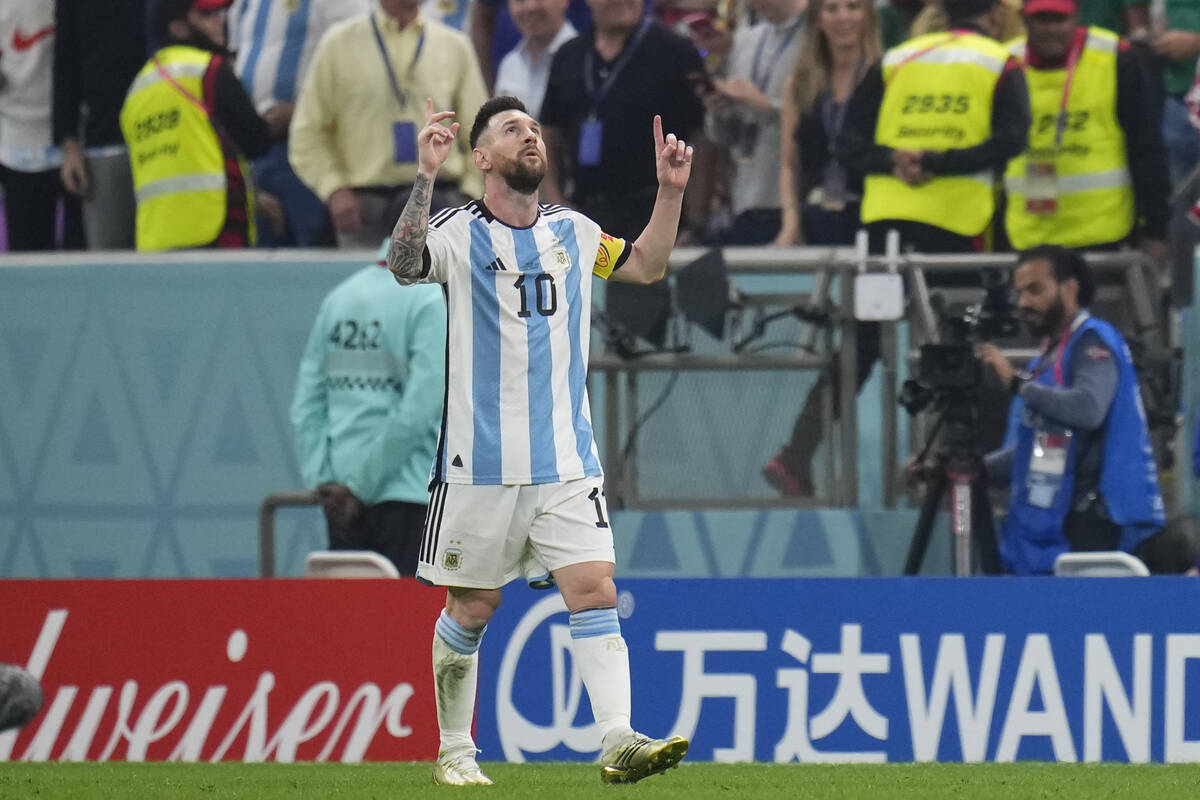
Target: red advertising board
x,y
212,670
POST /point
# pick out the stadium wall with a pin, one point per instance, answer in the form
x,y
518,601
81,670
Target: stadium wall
x,y
768,670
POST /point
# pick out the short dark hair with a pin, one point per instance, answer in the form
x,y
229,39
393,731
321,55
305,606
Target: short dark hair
x,y
966,10
163,13
497,105
1066,264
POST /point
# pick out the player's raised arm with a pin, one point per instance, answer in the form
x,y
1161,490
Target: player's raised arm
x,y
673,162
408,237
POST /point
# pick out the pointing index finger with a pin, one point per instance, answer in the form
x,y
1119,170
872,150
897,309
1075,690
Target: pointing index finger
x,y
658,134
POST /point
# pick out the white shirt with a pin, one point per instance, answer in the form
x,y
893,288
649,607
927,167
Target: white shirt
x,y
520,302
523,72
27,40
275,41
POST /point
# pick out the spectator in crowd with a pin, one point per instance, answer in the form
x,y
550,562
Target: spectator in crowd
x,y
525,70
931,126
354,134
20,697
1095,171
1178,46
744,116
605,87
98,49
274,43
190,126
28,160
494,32
819,194
367,408
1077,457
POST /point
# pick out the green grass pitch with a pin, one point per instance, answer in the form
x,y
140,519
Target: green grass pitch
x,y
91,781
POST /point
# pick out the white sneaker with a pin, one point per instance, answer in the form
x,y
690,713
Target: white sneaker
x,y
459,770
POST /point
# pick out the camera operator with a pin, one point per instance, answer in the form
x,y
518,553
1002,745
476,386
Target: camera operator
x,y
1077,455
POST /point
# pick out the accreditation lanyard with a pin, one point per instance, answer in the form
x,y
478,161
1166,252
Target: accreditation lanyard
x,y
595,98
1060,126
833,115
761,79
1080,318
166,76
401,97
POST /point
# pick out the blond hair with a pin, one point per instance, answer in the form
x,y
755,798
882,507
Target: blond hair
x,y
814,62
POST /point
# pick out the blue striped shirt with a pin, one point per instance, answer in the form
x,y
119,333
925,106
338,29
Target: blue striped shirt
x,y
519,332
275,41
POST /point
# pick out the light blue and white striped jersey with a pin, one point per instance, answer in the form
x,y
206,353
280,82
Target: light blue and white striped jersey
x,y
519,331
275,41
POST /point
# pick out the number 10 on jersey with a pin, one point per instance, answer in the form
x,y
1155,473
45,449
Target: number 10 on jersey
x,y
545,294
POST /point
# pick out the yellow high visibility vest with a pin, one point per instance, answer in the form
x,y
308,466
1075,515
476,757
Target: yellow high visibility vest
x,y
178,165
1095,202
937,95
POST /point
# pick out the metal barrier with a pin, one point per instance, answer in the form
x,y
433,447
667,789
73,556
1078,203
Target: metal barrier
x,y
1125,279
824,263
266,525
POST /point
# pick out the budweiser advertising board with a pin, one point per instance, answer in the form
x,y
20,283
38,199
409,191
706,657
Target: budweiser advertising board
x,y
215,670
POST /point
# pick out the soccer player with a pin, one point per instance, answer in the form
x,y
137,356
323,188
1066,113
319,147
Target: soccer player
x,y
517,465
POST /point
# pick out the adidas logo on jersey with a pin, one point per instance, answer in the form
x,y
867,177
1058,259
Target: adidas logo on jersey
x,y
496,266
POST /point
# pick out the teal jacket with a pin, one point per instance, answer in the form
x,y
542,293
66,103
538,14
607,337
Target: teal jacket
x,y
368,401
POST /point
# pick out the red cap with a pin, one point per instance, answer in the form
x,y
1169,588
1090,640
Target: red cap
x,y
211,5
1050,7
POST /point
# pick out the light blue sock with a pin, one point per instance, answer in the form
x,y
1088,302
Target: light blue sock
x,y
595,622
459,639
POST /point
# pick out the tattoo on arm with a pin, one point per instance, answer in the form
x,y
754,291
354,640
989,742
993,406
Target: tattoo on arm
x,y
408,237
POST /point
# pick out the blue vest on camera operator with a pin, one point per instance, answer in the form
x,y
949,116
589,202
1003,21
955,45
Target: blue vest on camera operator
x,y
1033,536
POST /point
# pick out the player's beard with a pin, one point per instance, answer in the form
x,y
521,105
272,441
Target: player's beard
x,y
524,178
1044,323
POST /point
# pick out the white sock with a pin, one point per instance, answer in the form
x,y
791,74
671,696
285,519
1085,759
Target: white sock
x,y
455,676
603,662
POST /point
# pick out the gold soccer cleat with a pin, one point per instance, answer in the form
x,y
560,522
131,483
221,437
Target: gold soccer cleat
x,y
640,757
459,770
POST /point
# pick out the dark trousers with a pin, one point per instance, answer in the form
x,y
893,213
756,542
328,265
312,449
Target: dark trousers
x,y
392,528
823,226
754,226
31,211
827,227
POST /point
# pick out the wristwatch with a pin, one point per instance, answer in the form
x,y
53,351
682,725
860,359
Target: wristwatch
x,y
1015,383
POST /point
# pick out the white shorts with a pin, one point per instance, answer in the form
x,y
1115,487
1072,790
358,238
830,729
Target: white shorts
x,y
477,536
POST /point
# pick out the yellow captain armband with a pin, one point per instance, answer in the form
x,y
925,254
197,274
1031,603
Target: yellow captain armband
x,y
610,255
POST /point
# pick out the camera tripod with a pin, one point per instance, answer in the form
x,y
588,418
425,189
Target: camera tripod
x,y
959,468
